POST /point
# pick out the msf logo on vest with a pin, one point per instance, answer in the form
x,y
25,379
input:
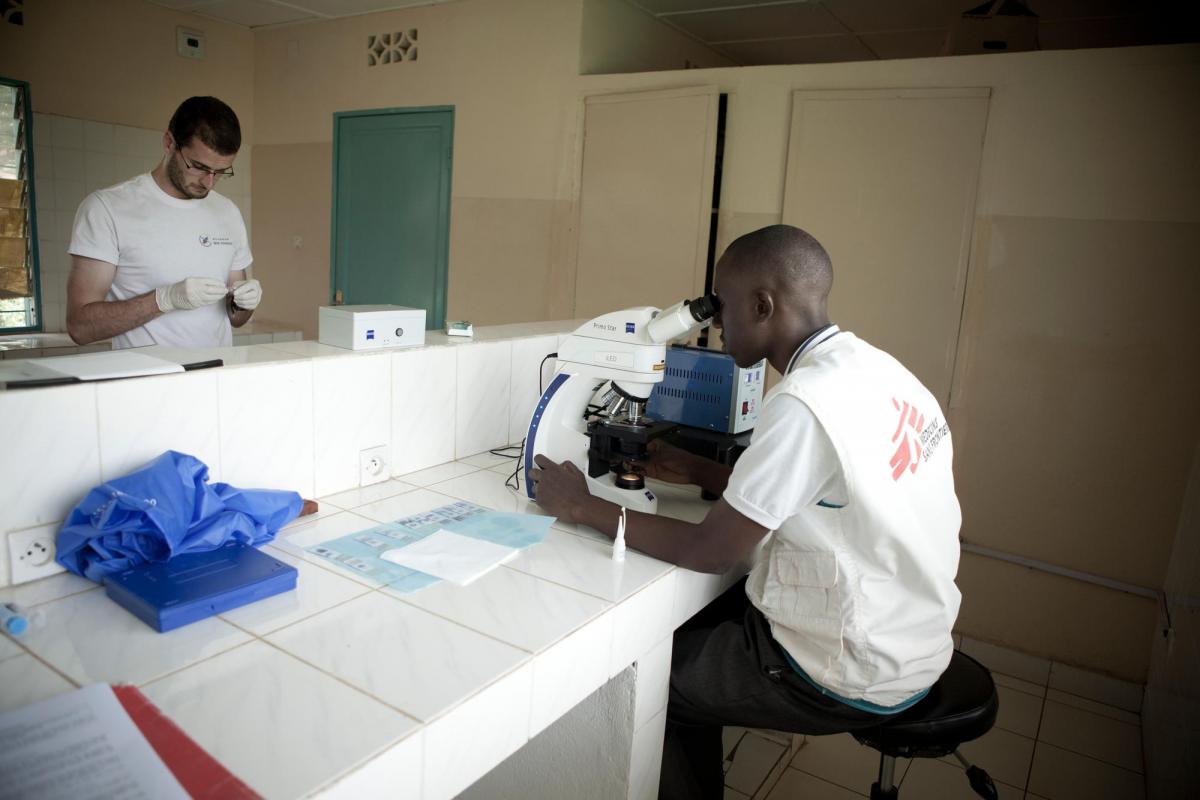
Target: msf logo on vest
x,y
915,441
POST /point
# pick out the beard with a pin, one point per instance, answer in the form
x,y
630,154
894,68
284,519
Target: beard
x,y
178,179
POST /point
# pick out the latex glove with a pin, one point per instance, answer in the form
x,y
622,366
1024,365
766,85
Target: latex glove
x,y
247,294
190,293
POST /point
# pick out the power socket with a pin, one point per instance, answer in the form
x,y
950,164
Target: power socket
x,y
373,465
31,554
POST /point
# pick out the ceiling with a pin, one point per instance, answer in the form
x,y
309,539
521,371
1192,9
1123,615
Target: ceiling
x,y
751,32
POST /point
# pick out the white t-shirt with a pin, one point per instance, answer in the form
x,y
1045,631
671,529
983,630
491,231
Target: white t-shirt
x,y
850,466
156,240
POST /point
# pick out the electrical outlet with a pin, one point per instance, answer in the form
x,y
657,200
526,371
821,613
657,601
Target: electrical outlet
x,y
31,554
373,465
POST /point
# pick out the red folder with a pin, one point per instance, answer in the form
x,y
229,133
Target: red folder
x,y
201,775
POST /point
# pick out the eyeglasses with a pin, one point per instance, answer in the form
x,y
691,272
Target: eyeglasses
x,y
201,169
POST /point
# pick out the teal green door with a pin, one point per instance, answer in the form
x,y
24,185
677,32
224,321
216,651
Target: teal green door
x,y
391,208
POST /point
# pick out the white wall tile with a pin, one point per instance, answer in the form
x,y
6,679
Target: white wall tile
x,y
466,743
693,591
569,671
641,621
266,423
525,391
1093,686
68,192
481,419
66,132
70,163
424,387
51,457
129,141
653,682
43,189
64,226
97,136
141,418
646,759
352,412
43,159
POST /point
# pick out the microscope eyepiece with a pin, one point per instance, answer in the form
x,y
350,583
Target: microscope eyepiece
x,y
703,308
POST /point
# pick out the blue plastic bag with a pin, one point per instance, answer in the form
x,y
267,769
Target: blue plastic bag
x,y
163,509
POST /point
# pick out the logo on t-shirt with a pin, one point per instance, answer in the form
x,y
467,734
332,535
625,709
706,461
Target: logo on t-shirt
x,y
915,441
209,241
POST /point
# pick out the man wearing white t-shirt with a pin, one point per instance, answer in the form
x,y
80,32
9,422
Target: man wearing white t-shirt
x,y
846,616
162,258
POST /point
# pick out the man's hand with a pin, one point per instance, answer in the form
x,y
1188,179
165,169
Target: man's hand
x,y
189,293
559,488
247,294
669,463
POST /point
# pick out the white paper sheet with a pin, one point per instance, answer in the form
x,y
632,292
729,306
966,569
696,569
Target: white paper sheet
x,y
446,555
115,364
80,744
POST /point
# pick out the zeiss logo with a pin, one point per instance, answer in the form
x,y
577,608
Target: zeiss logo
x,y
370,334
630,327
205,241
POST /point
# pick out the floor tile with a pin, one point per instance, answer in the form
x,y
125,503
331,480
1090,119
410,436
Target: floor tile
x,y
1062,775
442,472
416,662
1092,735
1019,712
1096,708
730,736
1093,686
514,607
27,680
732,794
752,763
928,778
316,590
842,760
353,498
1010,662
255,706
797,785
1016,683
1002,754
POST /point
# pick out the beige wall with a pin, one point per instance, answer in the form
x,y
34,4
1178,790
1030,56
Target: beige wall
x,y
115,61
507,67
619,37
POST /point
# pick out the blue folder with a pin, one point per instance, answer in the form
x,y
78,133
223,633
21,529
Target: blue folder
x,y
193,586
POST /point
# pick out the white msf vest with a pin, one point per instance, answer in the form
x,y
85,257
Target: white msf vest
x,y
862,596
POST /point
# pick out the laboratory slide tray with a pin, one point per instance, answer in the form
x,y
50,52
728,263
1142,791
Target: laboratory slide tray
x,y
194,586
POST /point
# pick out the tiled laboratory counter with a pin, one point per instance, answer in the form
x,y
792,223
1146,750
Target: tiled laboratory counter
x,y
47,345
345,687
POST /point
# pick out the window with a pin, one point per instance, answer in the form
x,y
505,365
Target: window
x,y
20,307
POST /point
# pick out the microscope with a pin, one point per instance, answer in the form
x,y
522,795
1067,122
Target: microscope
x,y
592,413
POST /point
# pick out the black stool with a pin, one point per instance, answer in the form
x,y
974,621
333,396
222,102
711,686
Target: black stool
x,y
961,706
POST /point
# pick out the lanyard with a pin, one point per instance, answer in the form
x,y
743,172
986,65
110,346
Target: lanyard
x,y
832,329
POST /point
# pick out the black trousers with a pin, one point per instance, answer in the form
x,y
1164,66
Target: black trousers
x,y
727,669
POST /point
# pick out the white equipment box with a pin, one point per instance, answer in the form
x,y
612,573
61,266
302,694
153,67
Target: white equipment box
x,y
370,327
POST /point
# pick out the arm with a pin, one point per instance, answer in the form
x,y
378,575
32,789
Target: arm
x,y
243,299
676,465
91,318
716,545
238,316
